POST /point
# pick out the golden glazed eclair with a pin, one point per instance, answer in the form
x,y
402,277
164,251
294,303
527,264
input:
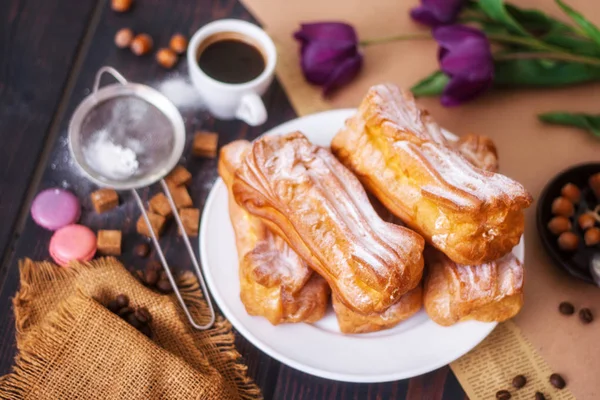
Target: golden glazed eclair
x,y
312,201
400,154
274,282
352,322
487,292
478,150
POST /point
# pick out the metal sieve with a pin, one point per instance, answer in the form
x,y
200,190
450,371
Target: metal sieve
x,y
141,120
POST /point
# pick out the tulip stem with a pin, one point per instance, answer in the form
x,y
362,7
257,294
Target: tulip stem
x,y
548,56
410,36
529,42
551,52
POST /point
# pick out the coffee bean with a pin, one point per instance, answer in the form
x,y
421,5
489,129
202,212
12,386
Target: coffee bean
x,y
164,286
122,300
145,329
519,381
566,308
503,395
125,311
113,306
143,315
585,315
539,396
154,265
140,276
133,321
150,277
557,381
142,250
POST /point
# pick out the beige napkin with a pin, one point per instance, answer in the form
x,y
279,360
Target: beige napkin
x,y
72,347
529,151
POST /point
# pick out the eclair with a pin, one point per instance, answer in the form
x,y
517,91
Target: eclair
x,y
275,282
401,155
487,292
306,196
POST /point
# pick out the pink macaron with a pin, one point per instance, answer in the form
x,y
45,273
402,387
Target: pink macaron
x,y
72,242
54,208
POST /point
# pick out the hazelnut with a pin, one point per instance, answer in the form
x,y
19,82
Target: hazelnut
x,y
571,192
558,225
562,206
586,221
141,44
594,183
166,58
592,237
178,43
121,5
568,241
123,38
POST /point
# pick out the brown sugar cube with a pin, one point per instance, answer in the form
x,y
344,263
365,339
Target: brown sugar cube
x,y
181,197
205,144
104,200
158,223
159,204
171,186
109,242
179,176
190,217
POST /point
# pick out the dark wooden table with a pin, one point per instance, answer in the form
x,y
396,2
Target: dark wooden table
x,y
49,54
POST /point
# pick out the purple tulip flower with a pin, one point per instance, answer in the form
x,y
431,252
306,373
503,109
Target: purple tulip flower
x,y
329,54
437,12
466,58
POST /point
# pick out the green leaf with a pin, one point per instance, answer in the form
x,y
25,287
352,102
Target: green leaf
x,y
588,122
533,21
586,26
494,28
539,26
432,85
496,10
543,73
575,45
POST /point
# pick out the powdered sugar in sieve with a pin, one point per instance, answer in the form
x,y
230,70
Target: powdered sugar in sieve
x,y
125,136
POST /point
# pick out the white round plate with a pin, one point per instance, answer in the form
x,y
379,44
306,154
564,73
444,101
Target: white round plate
x,y
414,347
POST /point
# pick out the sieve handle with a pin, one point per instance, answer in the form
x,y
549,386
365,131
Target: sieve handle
x,y
165,265
109,70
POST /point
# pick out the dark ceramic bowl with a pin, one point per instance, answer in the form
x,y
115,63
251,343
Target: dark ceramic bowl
x,y
577,262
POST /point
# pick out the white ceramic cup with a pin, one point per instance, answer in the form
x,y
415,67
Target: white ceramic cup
x,y
227,100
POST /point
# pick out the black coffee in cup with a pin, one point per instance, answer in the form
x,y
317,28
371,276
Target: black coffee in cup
x,y
230,57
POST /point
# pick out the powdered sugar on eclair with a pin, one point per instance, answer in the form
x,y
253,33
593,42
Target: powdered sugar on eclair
x,y
406,125
400,154
322,211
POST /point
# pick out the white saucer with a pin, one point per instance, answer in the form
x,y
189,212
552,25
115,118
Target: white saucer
x,y
412,348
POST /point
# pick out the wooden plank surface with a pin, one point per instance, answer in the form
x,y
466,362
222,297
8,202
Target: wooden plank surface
x,y
436,385
161,19
38,44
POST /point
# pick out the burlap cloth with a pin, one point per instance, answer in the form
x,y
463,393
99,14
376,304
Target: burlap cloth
x,y
72,347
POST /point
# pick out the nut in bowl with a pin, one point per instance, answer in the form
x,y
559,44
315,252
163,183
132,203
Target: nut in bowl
x,y
314,211
568,219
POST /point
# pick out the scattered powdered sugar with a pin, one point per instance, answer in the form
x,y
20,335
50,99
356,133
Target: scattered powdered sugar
x,y
181,93
110,159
